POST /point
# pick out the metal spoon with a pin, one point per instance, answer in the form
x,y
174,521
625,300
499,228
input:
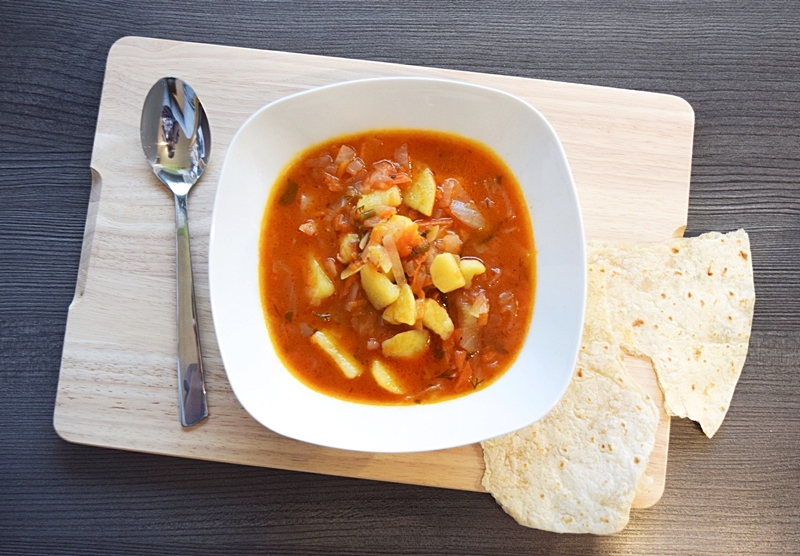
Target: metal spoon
x,y
177,142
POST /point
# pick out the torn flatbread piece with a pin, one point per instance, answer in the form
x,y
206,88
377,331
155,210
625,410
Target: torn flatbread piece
x,y
687,304
577,469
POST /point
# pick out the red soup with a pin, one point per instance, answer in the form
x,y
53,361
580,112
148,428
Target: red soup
x,y
397,267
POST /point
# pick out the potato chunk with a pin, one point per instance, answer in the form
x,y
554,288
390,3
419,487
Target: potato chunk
x,y
380,291
319,285
446,274
436,319
346,362
406,344
397,226
380,198
422,192
404,309
470,268
385,378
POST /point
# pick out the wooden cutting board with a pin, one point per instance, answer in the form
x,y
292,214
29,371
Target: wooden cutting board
x,y
630,153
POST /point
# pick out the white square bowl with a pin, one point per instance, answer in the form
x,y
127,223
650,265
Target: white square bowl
x,y
264,146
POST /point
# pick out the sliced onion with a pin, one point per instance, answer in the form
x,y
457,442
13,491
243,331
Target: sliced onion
x,y
309,228
346,154
376,180
468,214
394,256
447,191
353,293
379,256
332,210
322,161
401,156
470,330
450,243
329,265
480,306
355,166
354,268
508,303
494,277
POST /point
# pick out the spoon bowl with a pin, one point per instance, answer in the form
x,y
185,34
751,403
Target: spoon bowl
x,y
175,135
176,141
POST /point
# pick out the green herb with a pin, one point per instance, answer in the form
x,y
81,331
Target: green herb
x,y
289,316
289,194
475,382
365,214
419,250
324,316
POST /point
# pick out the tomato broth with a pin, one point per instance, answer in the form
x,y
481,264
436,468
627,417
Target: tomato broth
x,y
397,267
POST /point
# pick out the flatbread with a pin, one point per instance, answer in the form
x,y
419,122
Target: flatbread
x,y
687,304
577,469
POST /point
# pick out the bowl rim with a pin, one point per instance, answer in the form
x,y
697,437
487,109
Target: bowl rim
x,y
571,191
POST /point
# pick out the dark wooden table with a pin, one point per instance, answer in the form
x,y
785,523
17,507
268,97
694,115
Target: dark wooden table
x,y
737,63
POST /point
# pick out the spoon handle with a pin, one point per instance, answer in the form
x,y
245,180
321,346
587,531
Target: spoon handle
x,y
191,386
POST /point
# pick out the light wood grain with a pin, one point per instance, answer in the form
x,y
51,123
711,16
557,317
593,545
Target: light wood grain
x,y
630,153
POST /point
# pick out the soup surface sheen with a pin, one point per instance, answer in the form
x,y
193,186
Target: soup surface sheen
x,y
397,267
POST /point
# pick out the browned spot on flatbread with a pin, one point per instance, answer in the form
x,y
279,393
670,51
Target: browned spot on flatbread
x,y
675,250
638,322
743,255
